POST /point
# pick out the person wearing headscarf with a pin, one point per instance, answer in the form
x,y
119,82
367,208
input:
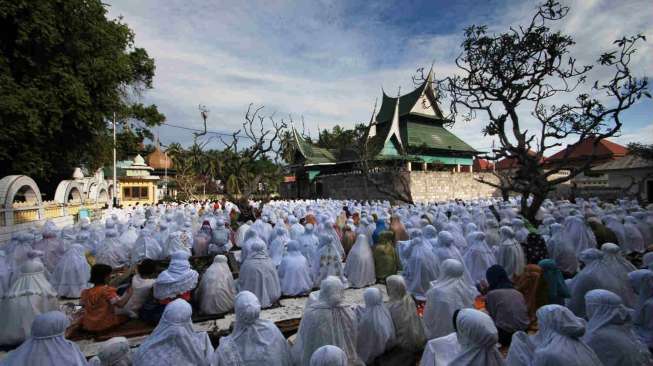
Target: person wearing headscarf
x,y
294,272
555,285
328,321
114,352
505,304
557,342
642,282
510,255
562,251
521,232
577,234
532,286
609,331
359,267
308,245
398,229
259,276
479,256
348,239
477,337
177,281
375,323
492,233
328,356
221,238
327,261
5,273
146,247
202,239
253,341
112,252
46,345
173,341
615,225
447,294
51,245
421,268
72,273
634,238
216,291
101,302
408,325
380,227
30,295
386,260
647,261
277,246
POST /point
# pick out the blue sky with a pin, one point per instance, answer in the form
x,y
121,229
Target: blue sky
x,y
326,61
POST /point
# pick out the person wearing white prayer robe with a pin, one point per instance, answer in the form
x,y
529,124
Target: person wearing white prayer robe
x,y
240,234
420,269
72,273
561,250
642,282
259,275
47,346
457,233
30,295
51,245
634,238
645,228
441,351
277,246
253,341
510,255
251,237
216,291
479,257
375,327
647,261
308,244
492,234
557,341
430,235
19,254
173,341
610,333
328,261
327,321
328,356
5,274
521,232
114,352
146,247
221,241
112,252
578,234
447,294
446,249
178,279
161,235
408,325
359,267
294,272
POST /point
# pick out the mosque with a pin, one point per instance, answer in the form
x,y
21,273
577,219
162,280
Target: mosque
x,y
408,133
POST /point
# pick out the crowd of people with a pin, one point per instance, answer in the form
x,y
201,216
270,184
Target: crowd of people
x,y
467,283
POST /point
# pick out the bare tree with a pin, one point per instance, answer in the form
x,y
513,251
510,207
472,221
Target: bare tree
x,y
526,68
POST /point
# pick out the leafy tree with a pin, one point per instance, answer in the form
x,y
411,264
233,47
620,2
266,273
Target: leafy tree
x,y
641,150
508,76
64,70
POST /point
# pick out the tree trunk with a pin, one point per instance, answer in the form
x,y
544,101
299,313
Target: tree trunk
x,y
505,194
534,207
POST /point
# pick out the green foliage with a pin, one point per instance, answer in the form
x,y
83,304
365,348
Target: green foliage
x,y
641,150
64,70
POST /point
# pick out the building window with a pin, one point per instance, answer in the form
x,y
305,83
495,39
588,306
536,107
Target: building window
x,y
134,193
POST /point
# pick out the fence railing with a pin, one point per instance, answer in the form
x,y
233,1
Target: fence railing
x,y
21,214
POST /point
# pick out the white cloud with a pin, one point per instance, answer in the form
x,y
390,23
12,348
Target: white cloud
x,y
314,59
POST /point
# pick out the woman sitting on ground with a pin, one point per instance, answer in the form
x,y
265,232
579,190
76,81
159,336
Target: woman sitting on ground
x,y
102,301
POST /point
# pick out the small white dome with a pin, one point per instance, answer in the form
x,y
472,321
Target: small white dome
x,y
139,161
77,173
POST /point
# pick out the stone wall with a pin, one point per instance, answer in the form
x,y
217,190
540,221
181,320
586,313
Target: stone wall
x,y
441,186
422,185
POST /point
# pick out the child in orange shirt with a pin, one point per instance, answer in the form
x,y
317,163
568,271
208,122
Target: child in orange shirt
x,y
100,302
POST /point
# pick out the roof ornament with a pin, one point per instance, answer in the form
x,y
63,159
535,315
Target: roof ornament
x,y
394,127
371,124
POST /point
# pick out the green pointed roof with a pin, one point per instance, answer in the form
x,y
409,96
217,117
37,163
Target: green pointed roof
x,y
406,102
314,155
434,137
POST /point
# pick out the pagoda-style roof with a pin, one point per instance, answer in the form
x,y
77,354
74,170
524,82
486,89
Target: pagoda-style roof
x,y
420,101
435,137
312,154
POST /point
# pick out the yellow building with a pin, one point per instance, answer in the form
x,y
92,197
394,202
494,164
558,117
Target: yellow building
x,y
136,184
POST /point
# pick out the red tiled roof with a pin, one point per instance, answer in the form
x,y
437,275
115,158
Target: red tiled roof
x,y
604,149
482,165
510,162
